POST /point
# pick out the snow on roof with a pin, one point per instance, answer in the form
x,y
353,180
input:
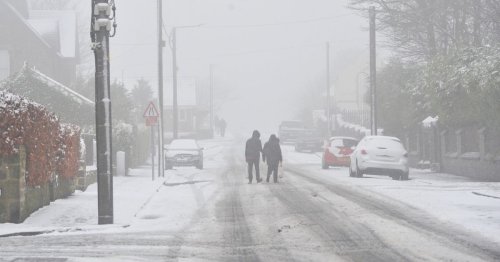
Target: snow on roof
x,y
75,96
183,144
62,23
186,92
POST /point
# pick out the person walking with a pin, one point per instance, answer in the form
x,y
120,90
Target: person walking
x,y
253,149
272,154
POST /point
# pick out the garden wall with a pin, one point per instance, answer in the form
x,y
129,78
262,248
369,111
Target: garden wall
x,y
39,157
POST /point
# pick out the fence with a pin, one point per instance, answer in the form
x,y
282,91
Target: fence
x,y
469,151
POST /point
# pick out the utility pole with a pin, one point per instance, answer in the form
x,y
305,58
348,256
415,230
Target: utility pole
x,y
175,109
101,24
161,171
211,99
373,72
328,100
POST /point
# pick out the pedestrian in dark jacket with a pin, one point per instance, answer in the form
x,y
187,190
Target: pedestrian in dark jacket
x,y
253,149
272,154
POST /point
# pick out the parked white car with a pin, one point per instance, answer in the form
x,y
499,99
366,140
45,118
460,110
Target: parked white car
x,y
183,152
380,155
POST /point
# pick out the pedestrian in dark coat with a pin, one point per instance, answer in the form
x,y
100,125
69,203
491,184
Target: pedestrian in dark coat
x,y
253,149
272,154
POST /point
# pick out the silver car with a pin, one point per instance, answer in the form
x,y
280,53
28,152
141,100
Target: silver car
x,y
183,152
380,155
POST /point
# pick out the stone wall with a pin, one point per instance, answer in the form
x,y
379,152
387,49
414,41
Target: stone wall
x,y
17,200
12,187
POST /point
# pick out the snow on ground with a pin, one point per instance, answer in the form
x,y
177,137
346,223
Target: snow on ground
x,y
457,200
453,199
176,197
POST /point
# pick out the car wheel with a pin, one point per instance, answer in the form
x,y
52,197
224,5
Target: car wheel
x,y
359,173
405,176
351,173
323,164
200,165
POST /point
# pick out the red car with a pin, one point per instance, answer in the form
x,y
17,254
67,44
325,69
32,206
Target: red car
x,y
337,151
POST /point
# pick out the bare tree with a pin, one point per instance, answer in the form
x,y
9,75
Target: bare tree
x,y
422,29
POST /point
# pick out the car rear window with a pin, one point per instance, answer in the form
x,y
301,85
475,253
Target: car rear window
x,y
183,144
385,143
343,142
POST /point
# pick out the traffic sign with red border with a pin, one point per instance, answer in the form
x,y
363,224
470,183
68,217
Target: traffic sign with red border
x,y
151,111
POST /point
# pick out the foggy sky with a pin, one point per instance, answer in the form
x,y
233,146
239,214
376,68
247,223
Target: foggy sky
x,y
266,53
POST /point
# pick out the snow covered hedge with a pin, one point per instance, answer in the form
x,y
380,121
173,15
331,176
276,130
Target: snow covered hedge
x,y
462,88
50,146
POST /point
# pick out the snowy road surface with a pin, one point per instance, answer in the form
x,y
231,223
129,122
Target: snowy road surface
x,y
311,215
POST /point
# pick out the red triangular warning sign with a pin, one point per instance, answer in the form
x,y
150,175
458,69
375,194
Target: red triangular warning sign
x,y
151,111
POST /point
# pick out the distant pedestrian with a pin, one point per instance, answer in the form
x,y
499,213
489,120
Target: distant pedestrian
x,y
272,154
216,124
223,127
253,149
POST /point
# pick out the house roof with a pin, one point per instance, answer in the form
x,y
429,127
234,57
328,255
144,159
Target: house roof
x,y
22,19
55,29
60,25
68,92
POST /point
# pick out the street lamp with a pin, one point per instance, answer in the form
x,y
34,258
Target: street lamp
x,y
175,110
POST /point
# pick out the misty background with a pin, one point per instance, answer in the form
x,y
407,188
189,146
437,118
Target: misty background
x,y
267,56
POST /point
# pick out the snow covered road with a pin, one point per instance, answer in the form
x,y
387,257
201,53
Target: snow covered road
x,y
311,215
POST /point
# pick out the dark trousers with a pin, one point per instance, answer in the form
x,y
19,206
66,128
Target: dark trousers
x,y
251,164
272,168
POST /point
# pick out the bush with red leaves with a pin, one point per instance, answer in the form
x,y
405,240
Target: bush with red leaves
x,y
23,122
67,164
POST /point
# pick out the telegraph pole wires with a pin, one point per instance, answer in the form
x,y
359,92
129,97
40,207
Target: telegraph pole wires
x,y
101,25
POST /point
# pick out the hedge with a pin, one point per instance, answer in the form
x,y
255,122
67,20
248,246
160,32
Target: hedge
x,y
49,145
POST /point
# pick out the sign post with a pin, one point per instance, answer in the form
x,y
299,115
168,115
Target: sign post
x,y
151,116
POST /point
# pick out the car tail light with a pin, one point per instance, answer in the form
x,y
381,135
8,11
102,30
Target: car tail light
x,y
363,152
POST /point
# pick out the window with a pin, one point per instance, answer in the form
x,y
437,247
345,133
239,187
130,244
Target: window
x,y
4,64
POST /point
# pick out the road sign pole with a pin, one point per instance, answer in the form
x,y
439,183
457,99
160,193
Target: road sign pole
x,y
152,153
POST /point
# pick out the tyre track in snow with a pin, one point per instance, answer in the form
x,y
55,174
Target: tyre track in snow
x,y
350,241
408,216
236,231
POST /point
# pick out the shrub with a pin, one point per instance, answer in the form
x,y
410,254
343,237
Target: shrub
x,y
68,160
24,122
